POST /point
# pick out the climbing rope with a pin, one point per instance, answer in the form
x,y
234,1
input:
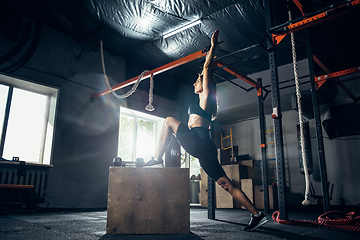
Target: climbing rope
x,y
298,97
333,219
149,107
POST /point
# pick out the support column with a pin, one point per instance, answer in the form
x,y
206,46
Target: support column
x,y
211,185
275,98
319,137
211,198
263,149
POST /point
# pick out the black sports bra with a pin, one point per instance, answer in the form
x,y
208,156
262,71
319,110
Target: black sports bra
x,y
195,108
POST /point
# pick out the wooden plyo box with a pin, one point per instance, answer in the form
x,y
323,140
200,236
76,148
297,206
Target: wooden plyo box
x,y
259,196
223,198
248,188
246,169
148,201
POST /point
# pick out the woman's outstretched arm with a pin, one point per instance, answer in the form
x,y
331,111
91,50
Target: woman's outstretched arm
x,y
207,81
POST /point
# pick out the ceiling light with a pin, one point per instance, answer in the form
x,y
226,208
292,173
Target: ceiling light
x,y
168,34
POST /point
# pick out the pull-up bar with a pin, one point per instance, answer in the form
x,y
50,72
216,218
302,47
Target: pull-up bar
x,y
180,62
155,71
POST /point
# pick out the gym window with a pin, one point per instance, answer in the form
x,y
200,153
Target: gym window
x,y
27,117
138,135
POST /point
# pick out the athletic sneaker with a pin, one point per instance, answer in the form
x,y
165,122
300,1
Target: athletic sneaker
x,y
153,162
256,221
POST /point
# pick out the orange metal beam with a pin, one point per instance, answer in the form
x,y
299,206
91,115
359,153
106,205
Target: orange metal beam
x,y
239,75
327,71
300,6
322,79
319,18
156,71
323,67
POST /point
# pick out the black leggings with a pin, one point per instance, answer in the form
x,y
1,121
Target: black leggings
x,y
197,143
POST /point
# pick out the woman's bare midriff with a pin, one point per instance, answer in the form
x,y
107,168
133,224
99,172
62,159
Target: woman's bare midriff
x,y
197,121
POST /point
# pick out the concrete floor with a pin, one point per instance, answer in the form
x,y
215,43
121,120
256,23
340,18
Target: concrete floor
x,y
84,225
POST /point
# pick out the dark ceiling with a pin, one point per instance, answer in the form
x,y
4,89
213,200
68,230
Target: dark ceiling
x,y
133,29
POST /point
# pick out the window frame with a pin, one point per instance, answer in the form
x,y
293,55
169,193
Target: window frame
x,y
52,94
142,116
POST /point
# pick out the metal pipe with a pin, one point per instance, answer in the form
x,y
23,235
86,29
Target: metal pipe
x,y
319,137
264,170
277,119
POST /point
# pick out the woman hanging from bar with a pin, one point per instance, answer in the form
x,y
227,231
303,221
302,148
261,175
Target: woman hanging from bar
x,y
195,139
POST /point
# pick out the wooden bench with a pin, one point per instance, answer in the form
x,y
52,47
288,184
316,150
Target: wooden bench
x,y
13,193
